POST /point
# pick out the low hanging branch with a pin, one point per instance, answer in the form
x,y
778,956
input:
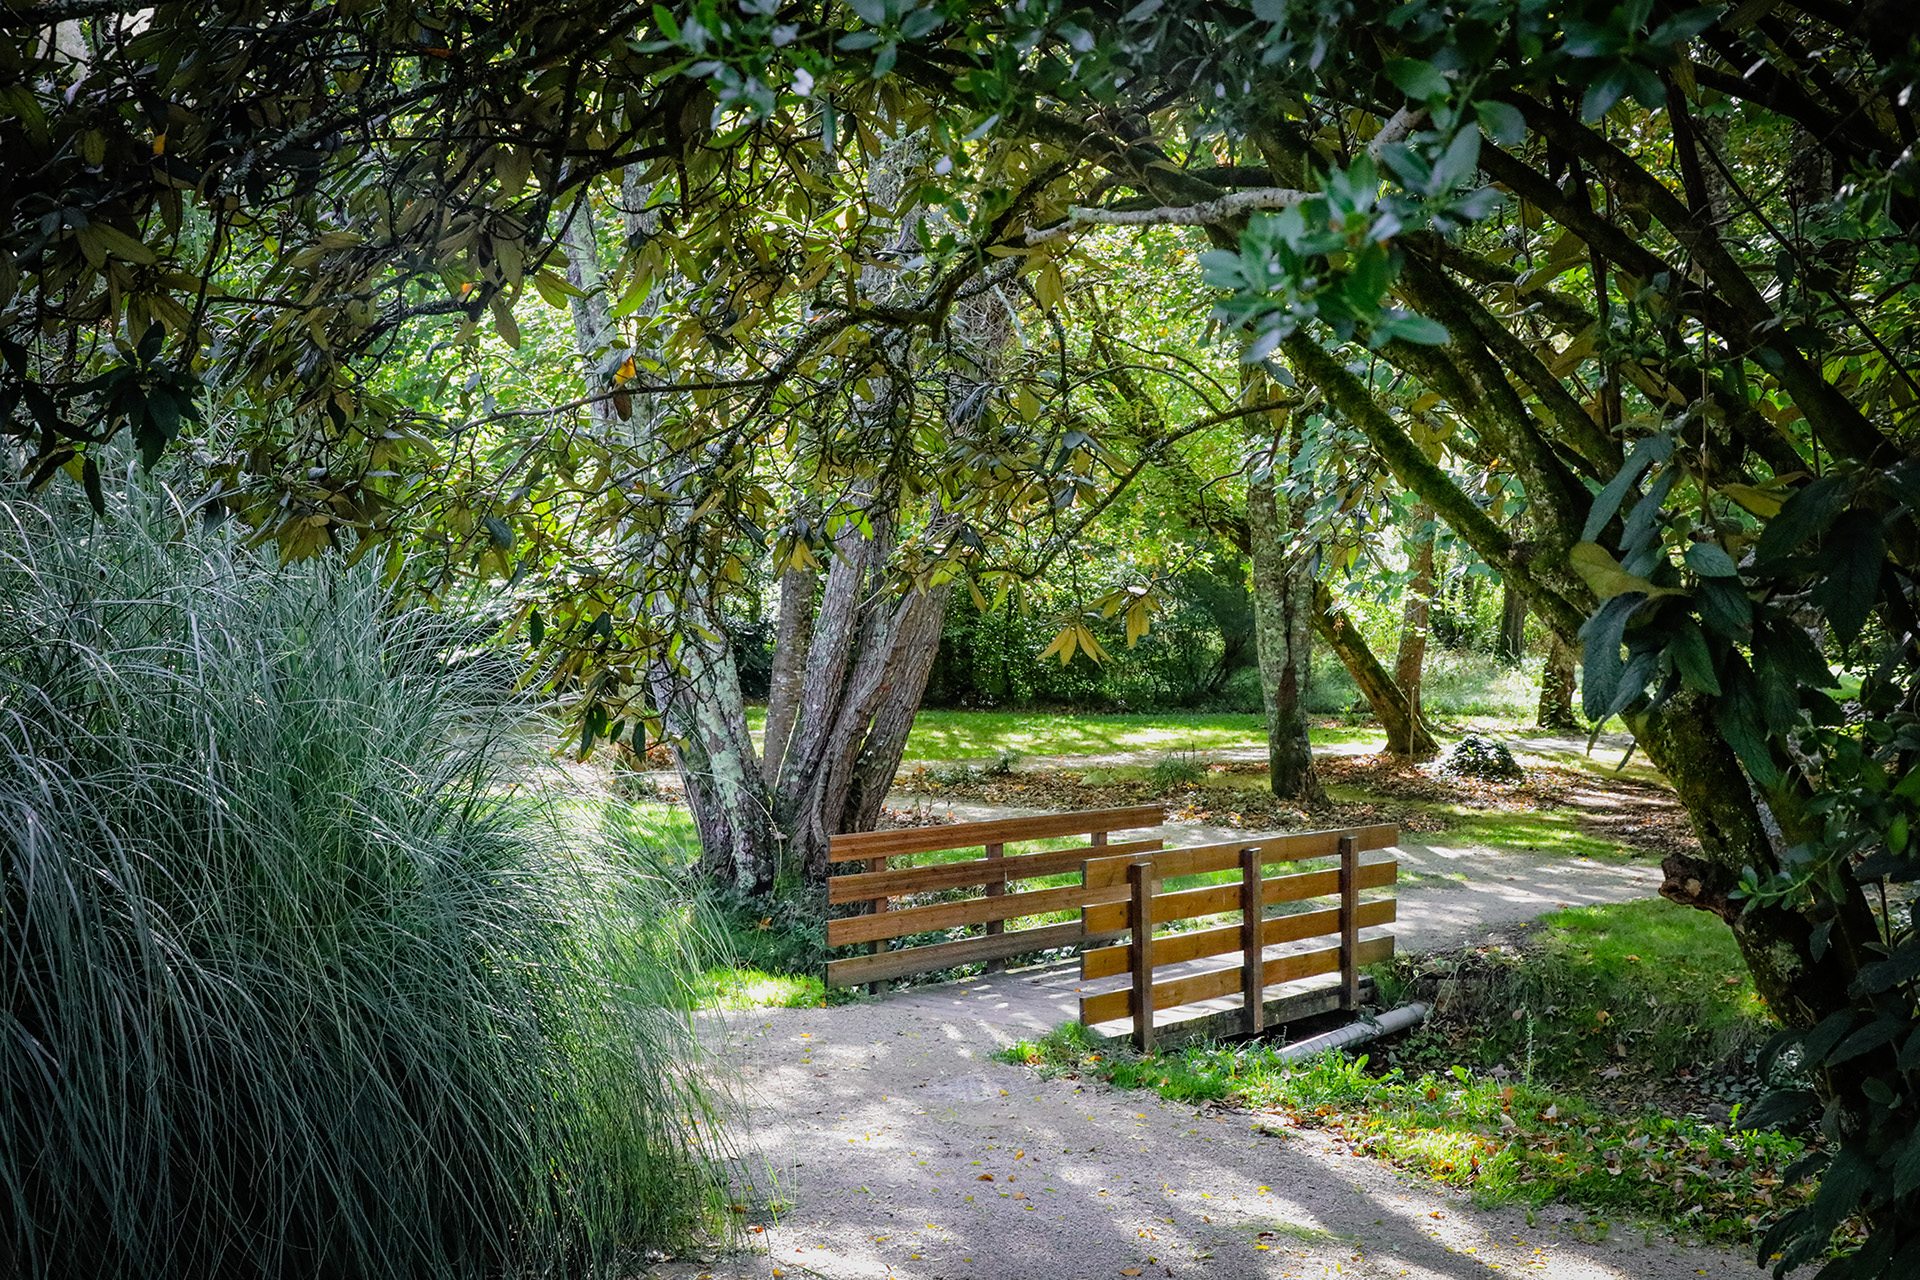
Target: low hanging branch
x,y
1205,213
1222,208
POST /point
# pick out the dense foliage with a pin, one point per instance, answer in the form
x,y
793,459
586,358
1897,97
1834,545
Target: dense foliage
x,y
291,982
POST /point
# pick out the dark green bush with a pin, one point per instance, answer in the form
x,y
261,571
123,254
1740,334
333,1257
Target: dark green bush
x,y
295,977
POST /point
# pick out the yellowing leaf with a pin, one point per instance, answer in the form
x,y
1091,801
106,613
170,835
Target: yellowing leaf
x,y
1062,646
1605,575
1761,502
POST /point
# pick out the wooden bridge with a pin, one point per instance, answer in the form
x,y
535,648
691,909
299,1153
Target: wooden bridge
x,y
1214,939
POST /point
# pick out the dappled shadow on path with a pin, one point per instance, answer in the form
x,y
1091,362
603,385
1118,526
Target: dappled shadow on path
x,y
907,1151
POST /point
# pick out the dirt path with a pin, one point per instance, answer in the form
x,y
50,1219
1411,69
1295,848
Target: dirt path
x,y
905,1150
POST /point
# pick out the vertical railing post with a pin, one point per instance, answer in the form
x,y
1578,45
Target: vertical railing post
x,y
1349,923
878,945
1140,951
1253,945
996,886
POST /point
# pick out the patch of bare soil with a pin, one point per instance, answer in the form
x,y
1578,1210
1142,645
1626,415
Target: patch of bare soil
x,y
1628,811
1636,814
1213,805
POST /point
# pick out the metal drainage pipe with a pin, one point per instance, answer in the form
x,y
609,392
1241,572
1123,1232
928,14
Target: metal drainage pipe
x,y
1359,1032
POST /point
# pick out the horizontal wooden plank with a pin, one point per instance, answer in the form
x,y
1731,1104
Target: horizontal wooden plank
x,y
968,835
864,886
1213,983
907,961
1197,944
1228,1023
902,921
1298,846
1190,904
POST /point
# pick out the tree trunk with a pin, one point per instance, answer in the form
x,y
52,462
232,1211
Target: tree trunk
x,y
702,712
793,632
704,717
1406,735
1556,689
1416,613
1513,624
851,655
1283,615
885,744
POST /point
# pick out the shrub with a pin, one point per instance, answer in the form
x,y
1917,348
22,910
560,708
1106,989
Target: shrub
x,y
1175,770
298,980
1482,757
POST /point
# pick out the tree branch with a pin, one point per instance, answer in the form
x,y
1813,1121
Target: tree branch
x,y
1207,213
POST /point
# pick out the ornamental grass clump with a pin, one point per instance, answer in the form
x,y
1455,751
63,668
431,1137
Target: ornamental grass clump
x,y
297,978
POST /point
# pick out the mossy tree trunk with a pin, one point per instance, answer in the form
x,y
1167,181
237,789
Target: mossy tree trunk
x,y
1556,689
1283,618
1407,735
852,653
1416,615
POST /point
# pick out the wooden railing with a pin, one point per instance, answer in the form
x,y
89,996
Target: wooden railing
x,y
1129,894
878,884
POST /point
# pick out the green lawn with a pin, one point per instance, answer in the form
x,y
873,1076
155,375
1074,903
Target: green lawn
x,y
978,735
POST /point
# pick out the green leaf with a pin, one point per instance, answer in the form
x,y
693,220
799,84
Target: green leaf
x,y
1848,581
1501,122
1778,1108
1604,574
1603,93
90,481
1419,80
1652,449
1601,637
1879,1032
1902,966
1906,1166
1684,26
1461,160
1421,331
1692,661
1805,515
1725,608
1710,560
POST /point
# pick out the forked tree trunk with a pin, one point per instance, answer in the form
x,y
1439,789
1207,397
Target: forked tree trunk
x,y
852,651
1380,690
1556,689
1283,617
1416,613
